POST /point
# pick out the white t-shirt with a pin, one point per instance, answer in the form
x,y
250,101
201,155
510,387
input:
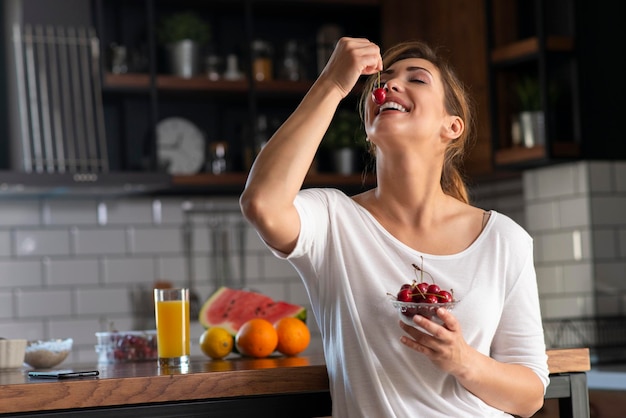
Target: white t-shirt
x,y
349,263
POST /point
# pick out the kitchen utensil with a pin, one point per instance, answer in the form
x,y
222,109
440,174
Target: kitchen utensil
x,y
60,101
33,99
194,298
27,163
70,133
57,121
99,108
77,97
90,125
42,76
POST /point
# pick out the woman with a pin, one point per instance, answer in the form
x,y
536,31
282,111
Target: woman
x,y
487,358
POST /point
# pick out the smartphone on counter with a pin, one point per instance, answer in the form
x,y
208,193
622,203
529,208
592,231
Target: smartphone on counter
x,y
62,374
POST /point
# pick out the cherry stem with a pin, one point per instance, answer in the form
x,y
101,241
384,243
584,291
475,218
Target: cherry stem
x,y
379,79
422,271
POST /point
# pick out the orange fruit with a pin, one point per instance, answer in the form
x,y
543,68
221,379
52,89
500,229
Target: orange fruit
x,y
256,338
293,336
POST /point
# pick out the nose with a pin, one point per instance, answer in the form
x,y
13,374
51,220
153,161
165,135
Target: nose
x,y
392,84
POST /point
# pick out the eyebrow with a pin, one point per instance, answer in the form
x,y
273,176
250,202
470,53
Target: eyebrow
x,y
409,69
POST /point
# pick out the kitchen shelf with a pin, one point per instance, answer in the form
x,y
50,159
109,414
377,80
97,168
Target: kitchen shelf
x,y
139,81
519,154
530,48
242,114
233,183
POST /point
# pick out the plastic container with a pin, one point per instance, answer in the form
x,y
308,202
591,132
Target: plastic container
x,y
126,346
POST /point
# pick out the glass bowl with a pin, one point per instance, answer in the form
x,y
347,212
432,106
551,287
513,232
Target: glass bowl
x,y
406,310
43,354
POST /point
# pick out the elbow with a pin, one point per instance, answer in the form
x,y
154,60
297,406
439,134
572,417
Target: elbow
x,y
531,405
249,205
254,207
531,408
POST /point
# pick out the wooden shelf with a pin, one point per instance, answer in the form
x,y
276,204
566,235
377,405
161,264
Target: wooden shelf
x,y
139,81
521,155
528,48
234,182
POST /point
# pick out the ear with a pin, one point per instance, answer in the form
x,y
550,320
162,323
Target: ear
x,y
453,127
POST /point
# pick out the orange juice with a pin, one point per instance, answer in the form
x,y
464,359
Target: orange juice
x,y
172,324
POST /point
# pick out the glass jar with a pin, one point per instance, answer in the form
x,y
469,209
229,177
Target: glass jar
x,y
262,67
292,68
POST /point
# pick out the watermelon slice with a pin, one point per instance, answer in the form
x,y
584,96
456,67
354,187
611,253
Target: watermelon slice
x,y
231,308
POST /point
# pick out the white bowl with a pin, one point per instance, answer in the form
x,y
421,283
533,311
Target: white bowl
x,y
43,354
407,310
12,353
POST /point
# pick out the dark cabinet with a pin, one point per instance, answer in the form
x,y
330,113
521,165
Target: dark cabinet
x,y
227,112
542,101
533,81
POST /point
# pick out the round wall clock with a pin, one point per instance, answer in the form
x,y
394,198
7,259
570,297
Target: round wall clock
x,y
180,146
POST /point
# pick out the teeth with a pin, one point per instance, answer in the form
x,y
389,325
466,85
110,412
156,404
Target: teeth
x,y
392,105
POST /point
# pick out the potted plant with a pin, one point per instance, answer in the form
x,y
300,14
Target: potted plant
x,y
183,34
344,140
531,118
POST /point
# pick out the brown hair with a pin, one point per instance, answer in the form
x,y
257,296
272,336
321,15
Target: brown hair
x,y
456,102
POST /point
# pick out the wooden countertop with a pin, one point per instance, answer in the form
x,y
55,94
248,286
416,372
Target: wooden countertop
x,y
144,382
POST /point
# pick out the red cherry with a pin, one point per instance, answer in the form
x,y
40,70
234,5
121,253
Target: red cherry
x,y
418,298
379,95
444,296
404,295
422,287
434,289
431,299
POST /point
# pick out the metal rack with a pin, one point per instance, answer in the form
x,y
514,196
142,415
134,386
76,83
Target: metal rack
x,y
227,238
605,336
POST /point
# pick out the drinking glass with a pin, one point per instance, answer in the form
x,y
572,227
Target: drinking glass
x,y
171,309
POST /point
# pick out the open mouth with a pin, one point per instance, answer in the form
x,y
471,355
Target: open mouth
x,y
391,106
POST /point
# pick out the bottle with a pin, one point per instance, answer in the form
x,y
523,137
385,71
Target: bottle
x,y
232,68
292,68
261,60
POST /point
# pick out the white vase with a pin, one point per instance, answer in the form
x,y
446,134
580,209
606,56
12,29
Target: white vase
x,y
184,58
532,127
344,160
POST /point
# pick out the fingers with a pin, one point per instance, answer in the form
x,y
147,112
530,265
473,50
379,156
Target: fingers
x,y
431,333
352,58
368,54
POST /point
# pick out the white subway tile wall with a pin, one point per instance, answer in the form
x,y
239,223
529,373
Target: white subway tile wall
x,y
581,263
70,267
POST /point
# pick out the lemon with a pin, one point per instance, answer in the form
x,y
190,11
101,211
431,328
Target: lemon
x,y
216,343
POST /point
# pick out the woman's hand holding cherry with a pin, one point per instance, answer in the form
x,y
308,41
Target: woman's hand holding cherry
x,y
352,58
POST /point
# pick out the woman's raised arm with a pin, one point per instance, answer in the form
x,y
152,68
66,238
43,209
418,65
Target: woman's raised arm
x,y
280,168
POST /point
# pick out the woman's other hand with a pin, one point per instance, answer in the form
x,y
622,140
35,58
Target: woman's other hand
x,y
445,346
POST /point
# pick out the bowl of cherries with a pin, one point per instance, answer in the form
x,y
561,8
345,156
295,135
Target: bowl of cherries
x,y
422,298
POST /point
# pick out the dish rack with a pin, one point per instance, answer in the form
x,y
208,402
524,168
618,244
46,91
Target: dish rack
x,y
605,336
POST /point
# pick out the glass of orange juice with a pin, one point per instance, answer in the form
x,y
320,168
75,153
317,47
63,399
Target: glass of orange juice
x,y
171,309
